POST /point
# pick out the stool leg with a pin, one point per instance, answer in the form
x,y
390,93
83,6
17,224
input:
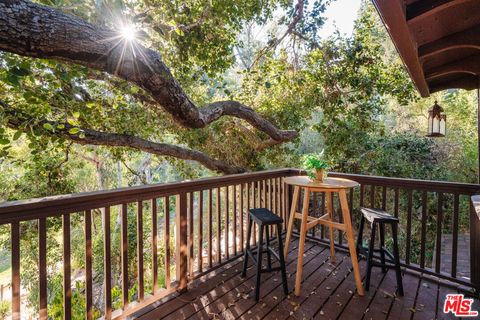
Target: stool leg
x,y
282,259
269,256
247,247
259,262
370,256
360,236
382,246
397,259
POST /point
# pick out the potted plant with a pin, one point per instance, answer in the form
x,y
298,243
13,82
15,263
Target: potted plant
x,y
315,165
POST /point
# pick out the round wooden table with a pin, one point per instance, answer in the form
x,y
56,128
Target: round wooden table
x,y
329,186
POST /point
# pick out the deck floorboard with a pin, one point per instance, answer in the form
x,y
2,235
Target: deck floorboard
x,y
328,292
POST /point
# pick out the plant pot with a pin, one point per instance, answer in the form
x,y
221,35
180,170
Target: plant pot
x,y
319,175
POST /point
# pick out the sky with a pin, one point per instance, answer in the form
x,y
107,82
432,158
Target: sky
x,y
342,14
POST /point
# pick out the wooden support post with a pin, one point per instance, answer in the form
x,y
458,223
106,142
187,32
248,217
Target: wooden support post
x,y
475,248
181,251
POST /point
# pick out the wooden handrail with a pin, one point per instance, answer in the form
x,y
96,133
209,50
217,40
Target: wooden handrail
x,y
417,184
57,205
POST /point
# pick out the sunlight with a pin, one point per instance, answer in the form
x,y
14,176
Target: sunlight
x,y
128,32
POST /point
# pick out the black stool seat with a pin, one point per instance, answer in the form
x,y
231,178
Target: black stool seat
x,y
264,218
378,217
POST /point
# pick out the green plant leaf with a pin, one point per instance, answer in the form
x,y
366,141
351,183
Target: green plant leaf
x,y
74,130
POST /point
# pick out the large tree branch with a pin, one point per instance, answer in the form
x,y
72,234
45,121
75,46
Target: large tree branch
x,y
17,118
35,30
298,13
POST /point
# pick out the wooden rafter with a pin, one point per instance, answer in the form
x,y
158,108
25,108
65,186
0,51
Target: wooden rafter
x,y
467,66
460,40
467,82
438,41
425,8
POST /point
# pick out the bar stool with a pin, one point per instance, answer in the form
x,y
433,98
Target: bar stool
x,y
264,218
380,218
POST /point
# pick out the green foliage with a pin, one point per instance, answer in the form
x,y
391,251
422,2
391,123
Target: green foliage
x,y
347,95
314,161
4,309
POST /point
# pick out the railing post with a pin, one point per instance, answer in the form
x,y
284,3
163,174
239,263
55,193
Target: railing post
x,y
182,241
475,242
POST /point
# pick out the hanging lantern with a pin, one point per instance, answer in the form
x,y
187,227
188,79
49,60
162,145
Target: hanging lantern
x,y
437,121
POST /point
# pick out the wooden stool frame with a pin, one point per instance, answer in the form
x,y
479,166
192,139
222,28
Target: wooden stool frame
x,y
329,187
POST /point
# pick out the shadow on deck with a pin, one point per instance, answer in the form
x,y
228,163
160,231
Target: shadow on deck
x,y
328,292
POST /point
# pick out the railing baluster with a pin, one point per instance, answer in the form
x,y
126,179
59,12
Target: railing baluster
x,y
200,231
140,271
288,202
362,192
455,234
67,288
166,239
283,203
424,229
439,232
209,227
182,241
88,264
264,194
269,194
124,253
107,264
154,247
15,245
395,203
372,196
42,265
384,197
259,194
249,187
474,247
242,194
314,210
227,223
190,234
409,226
219,226
275,195
256,200
235,221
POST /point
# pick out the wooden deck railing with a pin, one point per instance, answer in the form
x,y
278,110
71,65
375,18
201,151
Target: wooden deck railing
x,y
208,219
431,213
208,216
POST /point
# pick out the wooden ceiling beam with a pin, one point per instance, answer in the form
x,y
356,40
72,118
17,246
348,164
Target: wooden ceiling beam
x,y
468,83
425,8
468,65
469,38
393,16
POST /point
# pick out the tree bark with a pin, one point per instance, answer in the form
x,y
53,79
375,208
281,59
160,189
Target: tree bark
x,y
34,30
87,136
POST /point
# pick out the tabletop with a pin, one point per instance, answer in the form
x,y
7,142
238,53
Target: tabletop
x,y
328,183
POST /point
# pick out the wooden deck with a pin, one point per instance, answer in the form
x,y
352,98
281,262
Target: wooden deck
x,y
328,292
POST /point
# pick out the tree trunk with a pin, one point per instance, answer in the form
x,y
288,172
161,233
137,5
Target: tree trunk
x,y
35,30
